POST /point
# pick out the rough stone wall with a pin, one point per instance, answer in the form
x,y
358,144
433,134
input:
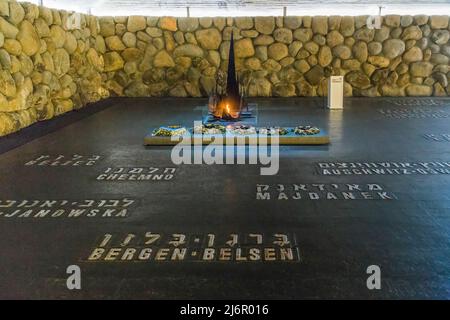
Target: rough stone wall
x,y
281,56
46,69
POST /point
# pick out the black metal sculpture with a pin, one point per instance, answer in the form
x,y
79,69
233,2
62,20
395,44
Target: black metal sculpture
x,y
227,105
232,83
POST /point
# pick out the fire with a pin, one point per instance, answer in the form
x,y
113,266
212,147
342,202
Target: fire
x,y
226,110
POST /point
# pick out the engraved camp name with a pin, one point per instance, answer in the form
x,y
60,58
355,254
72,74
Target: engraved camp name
x,y
39,209
137,174
208,247
383,168
75,160
413,113
417,102
442,137
322,191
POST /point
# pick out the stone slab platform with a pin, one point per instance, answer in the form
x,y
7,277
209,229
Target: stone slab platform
x,y
289,139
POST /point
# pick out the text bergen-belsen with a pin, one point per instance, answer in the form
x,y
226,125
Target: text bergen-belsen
x,y
383,168
158,247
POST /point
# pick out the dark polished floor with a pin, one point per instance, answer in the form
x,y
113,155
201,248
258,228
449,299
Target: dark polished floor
x,y
404,228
